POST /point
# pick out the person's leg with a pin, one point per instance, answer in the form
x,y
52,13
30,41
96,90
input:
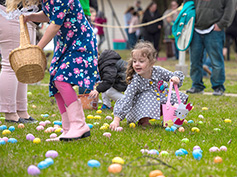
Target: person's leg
x,y
106,101
214,42
196,55
156,40
114,94
78,128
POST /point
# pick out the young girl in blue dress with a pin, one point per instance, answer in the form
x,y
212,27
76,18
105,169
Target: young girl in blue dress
x,y
74,61
143,98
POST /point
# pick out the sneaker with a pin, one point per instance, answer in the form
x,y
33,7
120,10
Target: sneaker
x,y
31,120
218,92
104,107
194,90
20,120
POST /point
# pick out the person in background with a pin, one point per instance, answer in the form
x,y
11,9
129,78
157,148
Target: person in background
x,y
211,19
127,19
100,19
13,94
134,31
112,70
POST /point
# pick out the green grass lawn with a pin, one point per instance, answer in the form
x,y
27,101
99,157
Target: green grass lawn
x,y
73,156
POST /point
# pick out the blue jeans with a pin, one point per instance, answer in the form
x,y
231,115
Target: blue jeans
x,y
213,42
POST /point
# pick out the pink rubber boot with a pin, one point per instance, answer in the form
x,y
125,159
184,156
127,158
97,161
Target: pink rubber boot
x,y
78,127
65,126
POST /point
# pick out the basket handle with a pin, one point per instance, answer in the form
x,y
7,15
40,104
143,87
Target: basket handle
x,y
24,33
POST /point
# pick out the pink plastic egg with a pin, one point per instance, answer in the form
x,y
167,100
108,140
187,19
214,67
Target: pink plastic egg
x,y
119,129
107,134
33,170
223,148
53,135
214,149
47,122
30,137
42,123
5,139
51,153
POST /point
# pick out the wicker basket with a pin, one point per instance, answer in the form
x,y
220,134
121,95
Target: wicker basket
x,y
87,102
28,61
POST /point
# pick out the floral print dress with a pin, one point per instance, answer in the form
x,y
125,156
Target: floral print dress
x,y
75,55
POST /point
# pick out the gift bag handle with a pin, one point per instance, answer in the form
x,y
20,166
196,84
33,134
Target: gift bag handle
x,y
169,94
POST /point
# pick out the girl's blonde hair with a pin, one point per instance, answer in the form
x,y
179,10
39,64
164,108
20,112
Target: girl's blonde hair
x,y
14,4
147,50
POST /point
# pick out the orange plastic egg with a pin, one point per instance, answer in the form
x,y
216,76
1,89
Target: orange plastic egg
x,y
217,159
21,126
155,173
115,168
181,129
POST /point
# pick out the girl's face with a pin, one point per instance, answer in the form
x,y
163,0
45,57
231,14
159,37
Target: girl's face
x,y
141,65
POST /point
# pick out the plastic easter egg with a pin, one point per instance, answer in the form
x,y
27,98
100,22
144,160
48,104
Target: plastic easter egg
x,y
33,106
227,121
36,141
45,115
97,117
173,128
2,142
167,129
30,137
42,165
57,122
217,129
190,121
204,108
153,152
6,132
51,153
196,148
93,163
42,123
21,125
49,130
132,125
185,121
53,135
155,173
49,161
12,140
2,118
11,128
223,148
58,130
0,122
47,122
195,129
29,93
144,151
33,170
5,139
96,123
152,120
118,160
201,116
185,140
106,125
39,128
184,151
217,159
107,134
200,122
103,128
90,117
181,129
197,155
119,129
115,168
90,126
164,153
179,153
214,149
3,127
98,111
108,118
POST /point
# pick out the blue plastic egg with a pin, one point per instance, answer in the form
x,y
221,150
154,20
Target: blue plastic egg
x,y
45,115
11,128
49,161
12,140
93,163
42,165
179,153
2,142
184,151
90,126
153,152
57,122
167,129
3,127
190,121
197,154
173,128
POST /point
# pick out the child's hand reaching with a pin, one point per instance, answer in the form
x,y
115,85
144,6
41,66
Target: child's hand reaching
x,y
175,80
115,123
93,94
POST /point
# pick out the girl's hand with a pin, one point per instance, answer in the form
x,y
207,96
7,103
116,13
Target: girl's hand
x,y
175,80
93,94
115,123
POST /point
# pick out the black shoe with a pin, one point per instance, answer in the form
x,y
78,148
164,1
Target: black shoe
x,y
31,120
20,120
194,90
218,92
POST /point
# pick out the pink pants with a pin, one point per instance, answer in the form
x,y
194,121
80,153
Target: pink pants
x,y
13,94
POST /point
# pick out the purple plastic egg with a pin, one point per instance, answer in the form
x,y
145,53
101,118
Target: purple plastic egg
x,y
30,137
51,153
119,129
196,148
108,118
33,170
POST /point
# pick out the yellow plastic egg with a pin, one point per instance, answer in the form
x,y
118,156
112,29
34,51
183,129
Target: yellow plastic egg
x,y
21,126
106,125
152,120
58,130
115,168
98,111
36,141
97,117
204,108
132,125
90,117
227,121
195,129
33,106
155,173
103,128
6,132
217,159
118,160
